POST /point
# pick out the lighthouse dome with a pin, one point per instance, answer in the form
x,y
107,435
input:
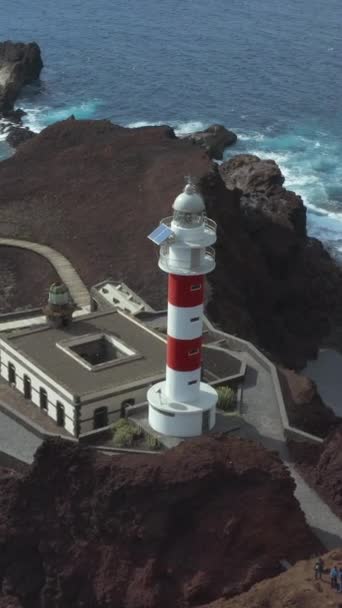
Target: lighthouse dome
x,y
189,201
59,294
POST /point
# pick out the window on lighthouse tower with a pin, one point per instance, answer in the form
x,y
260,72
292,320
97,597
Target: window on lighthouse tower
x,y
188,220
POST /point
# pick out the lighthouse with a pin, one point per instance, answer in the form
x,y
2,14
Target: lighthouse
x,y
182,405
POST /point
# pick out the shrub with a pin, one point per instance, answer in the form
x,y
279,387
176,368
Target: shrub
x,y
125,432
124,437
226,399
122,423
153,443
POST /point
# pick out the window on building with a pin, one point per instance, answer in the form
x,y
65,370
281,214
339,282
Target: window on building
x,y
11,373
43,399
60,414
124,405
193,352
196,287
192,382
27,387
194,319
100,417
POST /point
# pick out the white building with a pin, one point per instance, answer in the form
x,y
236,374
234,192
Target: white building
x,y
83,375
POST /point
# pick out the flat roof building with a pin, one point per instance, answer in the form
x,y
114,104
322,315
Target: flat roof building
x,y
84,375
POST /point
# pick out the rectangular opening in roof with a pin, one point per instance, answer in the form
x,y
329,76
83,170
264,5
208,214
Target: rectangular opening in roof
x,y
101,350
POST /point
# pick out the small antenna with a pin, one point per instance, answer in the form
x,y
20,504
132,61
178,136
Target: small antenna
x,y
190,183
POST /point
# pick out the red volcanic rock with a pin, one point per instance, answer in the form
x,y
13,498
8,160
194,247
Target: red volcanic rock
x,y
296,588
304,406
171,530
250,173
214,140
31,272
94,191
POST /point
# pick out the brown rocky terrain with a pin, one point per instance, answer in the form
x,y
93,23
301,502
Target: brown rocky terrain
x,y
321,466
94,191
179,529
305,408
24,279
296,588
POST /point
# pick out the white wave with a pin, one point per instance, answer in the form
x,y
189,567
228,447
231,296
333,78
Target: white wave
x,y
40,117
250,136
143,123
4,126
181,128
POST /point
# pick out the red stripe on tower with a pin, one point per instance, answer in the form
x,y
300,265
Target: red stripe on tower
x,y
185,291
183,355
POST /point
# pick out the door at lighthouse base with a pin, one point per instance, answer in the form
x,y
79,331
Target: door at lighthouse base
x,y
205,421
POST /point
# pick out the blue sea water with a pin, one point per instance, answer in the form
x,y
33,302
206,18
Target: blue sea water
x,y
268,69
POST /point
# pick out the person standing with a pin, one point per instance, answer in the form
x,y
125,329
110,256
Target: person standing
x,y
319,566
339,579
333,577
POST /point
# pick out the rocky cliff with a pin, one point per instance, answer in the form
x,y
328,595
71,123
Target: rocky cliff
x,y
172,530
20,64
94,191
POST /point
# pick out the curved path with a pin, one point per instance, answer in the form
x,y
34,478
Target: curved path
x,y
260,411
61,264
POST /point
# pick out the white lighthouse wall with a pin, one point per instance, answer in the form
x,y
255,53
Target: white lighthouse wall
x,y
180,257
177,385
181,323
178,425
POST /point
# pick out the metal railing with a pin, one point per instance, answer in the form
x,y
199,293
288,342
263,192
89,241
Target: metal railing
x,y
208,223
164,256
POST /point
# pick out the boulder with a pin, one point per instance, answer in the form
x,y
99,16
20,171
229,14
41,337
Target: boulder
x,y
250,173
20,64
214,140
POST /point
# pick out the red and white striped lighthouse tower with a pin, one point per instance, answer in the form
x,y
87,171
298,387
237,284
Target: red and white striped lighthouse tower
x,y
182,405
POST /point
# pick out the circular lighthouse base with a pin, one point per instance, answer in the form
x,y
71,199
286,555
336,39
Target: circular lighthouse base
x,y
178,418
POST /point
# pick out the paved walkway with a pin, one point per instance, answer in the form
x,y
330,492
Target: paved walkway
x,y
16,441
61,264
261,414
326,371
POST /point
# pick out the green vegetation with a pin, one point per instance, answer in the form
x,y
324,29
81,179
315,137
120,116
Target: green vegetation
x,y
226,399
127,435
153,443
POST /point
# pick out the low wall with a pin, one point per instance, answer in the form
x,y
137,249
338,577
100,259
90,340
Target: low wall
x,y
24,314
10,462
240,345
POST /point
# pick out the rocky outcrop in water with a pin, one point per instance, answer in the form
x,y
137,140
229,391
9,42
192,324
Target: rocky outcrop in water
x,y
171,530
214,140
20,64
272,284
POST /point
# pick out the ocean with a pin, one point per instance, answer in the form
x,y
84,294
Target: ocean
x,y
269,70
